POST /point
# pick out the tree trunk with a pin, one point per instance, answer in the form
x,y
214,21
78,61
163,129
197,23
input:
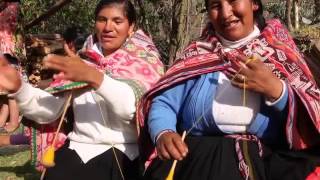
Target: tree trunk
x,y
317,8
202,26
183,31
288,14
144,23
176,10
177,35
296,14
173,44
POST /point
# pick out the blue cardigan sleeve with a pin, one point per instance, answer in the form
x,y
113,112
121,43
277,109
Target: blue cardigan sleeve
x,y
165,108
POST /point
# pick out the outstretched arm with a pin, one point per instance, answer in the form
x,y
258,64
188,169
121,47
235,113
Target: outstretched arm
x,y
118,94
38,105
34,103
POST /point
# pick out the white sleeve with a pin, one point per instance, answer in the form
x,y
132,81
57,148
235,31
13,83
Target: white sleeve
x,y
120,97
38,105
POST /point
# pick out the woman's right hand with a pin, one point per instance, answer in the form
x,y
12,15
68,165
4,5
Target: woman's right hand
x,y
171,146
9,78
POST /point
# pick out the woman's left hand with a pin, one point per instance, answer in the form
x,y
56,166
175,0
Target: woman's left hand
x,y
254,75
74,69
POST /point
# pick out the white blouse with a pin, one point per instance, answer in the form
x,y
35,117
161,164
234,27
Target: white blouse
x,y
227,110
102,117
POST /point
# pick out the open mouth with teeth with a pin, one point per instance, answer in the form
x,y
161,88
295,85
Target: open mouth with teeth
x,y
230,24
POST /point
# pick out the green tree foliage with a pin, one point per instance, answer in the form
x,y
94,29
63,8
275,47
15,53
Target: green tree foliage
x,y
309,9
171,23
76,13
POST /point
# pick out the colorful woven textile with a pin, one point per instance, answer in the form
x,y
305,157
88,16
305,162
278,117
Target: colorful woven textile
x,y
315,175
8,26
279,53
41,137
63,85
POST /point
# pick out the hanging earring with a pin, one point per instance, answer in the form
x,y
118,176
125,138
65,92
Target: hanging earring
x,y
255,7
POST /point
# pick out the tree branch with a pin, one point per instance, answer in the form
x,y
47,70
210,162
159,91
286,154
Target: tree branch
x,y
47,14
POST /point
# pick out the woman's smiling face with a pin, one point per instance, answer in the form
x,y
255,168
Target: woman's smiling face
x,y
232,19
112,28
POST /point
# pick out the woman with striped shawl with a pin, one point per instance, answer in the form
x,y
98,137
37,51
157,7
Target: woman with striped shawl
x,y
245,98
116,68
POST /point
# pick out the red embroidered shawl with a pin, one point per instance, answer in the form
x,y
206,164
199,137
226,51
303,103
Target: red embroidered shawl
x,y
279,53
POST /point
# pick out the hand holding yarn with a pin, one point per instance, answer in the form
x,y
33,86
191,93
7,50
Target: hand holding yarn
x,y
257,77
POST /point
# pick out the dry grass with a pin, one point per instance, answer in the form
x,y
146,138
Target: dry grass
x,y
306,36
309,32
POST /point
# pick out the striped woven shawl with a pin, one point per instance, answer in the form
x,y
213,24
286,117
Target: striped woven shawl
x,y
278,51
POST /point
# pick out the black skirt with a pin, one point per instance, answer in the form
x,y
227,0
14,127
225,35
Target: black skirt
x,y
69,166
216,158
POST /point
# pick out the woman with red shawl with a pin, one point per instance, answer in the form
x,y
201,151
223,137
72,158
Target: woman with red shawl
x,y
245,98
